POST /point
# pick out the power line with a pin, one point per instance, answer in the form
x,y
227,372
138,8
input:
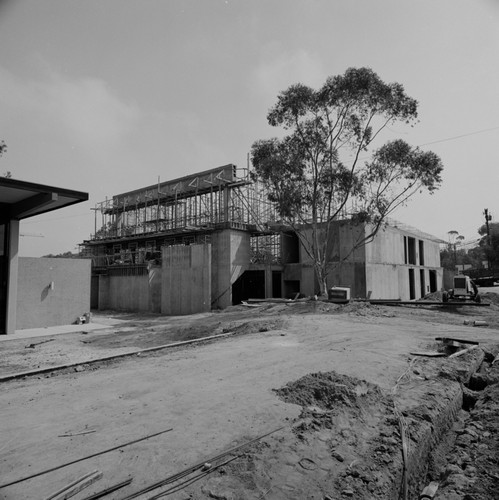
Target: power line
x,y
460,136
453,138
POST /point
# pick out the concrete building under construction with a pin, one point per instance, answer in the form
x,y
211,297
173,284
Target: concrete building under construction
x,y
212,239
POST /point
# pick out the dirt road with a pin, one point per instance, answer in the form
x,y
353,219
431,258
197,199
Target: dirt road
x,y
213,396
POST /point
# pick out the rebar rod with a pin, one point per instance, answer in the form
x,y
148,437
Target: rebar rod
x,y
193,468
46,471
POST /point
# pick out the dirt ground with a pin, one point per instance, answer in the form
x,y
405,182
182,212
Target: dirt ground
x,y
330,383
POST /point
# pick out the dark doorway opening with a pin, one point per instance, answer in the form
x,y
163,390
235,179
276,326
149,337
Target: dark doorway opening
x,y
290,248
250,285
411,246
291,289
94,292
433,281
276,284
422,282
412,285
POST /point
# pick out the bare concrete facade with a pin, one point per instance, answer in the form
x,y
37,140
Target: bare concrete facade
x,y
190,279
209,240
52,292
400,263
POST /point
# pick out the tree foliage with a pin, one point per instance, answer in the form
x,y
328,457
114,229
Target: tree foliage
x,y
64,255
490,242
3,149
451,257
316,173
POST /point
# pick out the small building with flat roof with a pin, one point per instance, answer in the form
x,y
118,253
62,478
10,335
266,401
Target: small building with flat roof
x,y
20,200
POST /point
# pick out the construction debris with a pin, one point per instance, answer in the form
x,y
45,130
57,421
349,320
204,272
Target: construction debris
x,y
16,481
430,354
76,434
463,351
430,491
111,489
203,467
480,323
76,486
460,341
34,344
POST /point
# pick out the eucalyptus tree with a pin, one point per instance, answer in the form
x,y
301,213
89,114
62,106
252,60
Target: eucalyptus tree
x,y
330,163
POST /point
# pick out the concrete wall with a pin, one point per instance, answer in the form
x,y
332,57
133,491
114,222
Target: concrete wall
x,y
346,268
186,279
41,304
385,278
230,258
124,293
351,275
386,248
377,270
387,272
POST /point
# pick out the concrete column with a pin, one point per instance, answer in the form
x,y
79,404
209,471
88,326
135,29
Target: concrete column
x,y
12,235
103,292
268,282
155,287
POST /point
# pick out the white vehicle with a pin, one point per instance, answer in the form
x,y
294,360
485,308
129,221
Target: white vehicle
x,y
464,289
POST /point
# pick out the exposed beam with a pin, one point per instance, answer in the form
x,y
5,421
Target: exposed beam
x,y
24,208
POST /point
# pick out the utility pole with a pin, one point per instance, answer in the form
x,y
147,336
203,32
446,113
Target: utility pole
x,y
487,219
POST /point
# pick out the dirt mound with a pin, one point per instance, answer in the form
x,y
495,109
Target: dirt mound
x,y
366,310
490,298
326,390
431,297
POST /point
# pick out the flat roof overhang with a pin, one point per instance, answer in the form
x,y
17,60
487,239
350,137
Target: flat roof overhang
x,y
20,200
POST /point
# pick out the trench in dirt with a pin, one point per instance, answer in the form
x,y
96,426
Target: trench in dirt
x,y
437,426
346,443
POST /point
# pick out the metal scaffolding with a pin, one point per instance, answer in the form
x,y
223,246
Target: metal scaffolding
x,y
222,197
132,226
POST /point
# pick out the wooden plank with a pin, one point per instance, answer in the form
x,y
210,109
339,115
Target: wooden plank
x,y
76,486
427,303
37,371
431,354
464,351
461,341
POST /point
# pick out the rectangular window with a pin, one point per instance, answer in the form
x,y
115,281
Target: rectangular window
x,y
133,252
265,249
411,249
421,252
117,254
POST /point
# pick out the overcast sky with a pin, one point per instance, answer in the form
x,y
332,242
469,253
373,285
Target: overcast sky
x,y
104,96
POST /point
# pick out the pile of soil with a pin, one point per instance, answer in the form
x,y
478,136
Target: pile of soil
x,y
435,296
328,391
344,444
490,298
346,441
